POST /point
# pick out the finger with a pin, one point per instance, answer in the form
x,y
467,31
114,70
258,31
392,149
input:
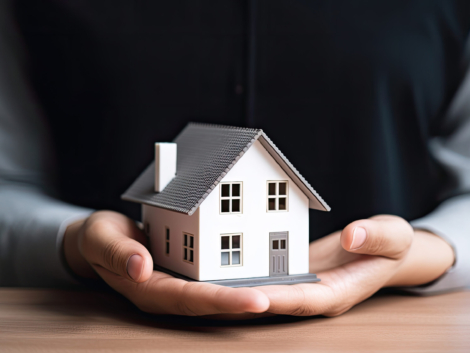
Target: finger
x,y
388,236
103,244
163,294
339,290
325,254
130,228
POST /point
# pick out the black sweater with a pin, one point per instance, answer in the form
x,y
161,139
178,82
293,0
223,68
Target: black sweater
x,y
350,91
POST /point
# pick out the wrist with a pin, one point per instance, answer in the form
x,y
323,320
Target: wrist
x,y
429,258
73,257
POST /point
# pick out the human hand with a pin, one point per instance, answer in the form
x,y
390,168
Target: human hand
x,y
367,255
112,246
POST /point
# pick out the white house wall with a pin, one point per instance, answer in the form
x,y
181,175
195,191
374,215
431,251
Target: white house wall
x,y
254,169
178,223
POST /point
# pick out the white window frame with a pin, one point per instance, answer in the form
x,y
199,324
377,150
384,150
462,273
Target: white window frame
x,y
167,240
230,198
277,196
188,247
230,249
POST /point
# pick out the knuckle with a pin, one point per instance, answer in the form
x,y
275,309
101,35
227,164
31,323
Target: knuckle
x,y
376,245
302,306
141,297
112,255
87,239
405,237
337,311
182,304
97,226
342,297
183,308
409,235
395,244
339,306
300,311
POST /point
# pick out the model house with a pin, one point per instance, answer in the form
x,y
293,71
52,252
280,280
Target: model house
x,y
223,204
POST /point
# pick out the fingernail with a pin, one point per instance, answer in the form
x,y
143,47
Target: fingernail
x,y
359,238
134,266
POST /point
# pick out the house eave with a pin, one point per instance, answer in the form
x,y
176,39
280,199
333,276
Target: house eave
x,y
141,191
153,204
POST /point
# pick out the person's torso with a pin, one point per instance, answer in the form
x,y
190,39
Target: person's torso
x,y
350,91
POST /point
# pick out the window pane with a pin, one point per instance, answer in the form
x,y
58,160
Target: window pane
x,y
191,259
191,242
167,248
225,190
282,203
272,204
236,205
224,260
283,244
235,257
185,254
167,234
225,243
236,242
235,189
272,189
185,240
225,206
282,188
275,244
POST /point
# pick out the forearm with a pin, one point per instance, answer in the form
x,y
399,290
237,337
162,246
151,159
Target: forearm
x,y
428,258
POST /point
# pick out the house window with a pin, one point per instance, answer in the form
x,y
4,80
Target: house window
x,y
231,197
278,195
167,241
279,244
188,248
231,249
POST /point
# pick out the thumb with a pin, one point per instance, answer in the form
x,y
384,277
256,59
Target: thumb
x,y
383,235
107,247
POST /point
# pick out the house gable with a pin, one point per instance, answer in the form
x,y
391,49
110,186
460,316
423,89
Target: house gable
x,y
254,223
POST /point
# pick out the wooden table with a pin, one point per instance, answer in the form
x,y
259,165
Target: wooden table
x,y
70,321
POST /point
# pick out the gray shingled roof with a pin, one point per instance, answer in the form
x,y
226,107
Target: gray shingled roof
x,y
205,155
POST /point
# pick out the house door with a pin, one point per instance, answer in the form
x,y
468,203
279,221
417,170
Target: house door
x,y
278,254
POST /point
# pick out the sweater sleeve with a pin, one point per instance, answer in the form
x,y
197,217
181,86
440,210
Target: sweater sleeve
x,y
451,220
32,221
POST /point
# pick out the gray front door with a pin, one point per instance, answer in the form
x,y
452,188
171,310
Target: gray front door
x,y
278,254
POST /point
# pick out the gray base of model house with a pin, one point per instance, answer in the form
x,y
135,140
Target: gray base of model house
x,y
250,282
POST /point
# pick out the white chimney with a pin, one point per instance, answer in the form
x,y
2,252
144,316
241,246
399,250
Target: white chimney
x,y
165,164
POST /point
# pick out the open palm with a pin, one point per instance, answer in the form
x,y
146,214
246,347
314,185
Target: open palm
x,y
353,264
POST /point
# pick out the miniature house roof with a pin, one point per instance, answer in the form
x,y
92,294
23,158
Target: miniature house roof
x,y
206,153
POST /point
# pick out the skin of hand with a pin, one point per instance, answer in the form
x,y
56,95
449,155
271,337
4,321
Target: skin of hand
x,y
353,264
112,246
367,255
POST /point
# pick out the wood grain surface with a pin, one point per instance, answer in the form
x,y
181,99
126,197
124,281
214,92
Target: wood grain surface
x,y
40,320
